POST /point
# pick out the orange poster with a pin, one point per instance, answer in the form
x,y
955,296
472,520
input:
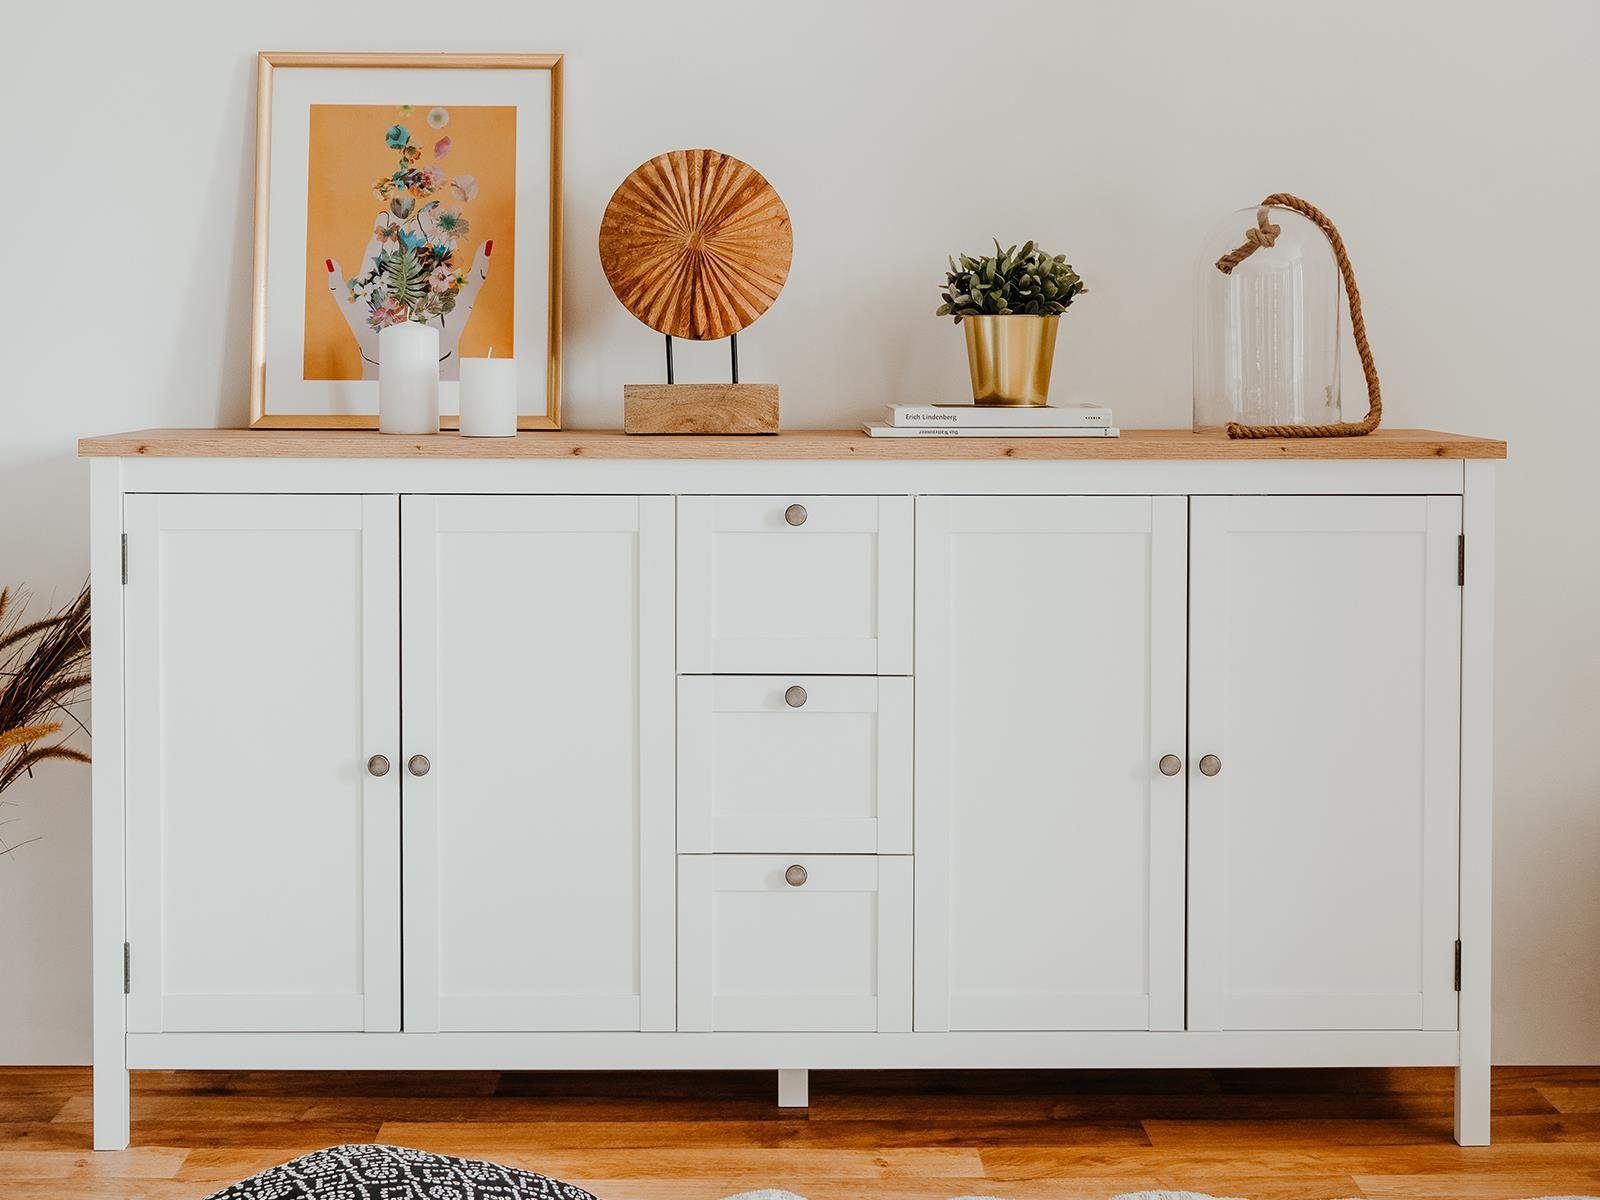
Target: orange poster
x,y
410,216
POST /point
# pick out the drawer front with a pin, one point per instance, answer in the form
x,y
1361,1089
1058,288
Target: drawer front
x,y
795,583
763,947
794,763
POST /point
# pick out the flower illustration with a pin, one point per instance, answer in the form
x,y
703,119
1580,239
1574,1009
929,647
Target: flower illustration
x,y
407,109
388,312
411,272
452,224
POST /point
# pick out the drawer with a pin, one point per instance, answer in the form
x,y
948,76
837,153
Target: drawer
x,y
794,764
766,947
795,583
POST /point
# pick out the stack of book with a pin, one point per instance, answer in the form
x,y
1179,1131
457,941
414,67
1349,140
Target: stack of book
x,y
971,420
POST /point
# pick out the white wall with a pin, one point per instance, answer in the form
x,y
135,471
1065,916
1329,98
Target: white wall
x,y
1454,143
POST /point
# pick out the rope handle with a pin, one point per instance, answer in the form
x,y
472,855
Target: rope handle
x,y
1266,233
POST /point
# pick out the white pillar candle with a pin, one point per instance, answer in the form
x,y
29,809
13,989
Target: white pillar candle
x,y
488,397
408,378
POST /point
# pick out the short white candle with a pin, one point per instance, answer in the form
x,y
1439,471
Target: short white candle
x,y
408,378
488,397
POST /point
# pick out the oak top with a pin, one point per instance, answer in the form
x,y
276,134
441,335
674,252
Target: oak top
x,y
791,444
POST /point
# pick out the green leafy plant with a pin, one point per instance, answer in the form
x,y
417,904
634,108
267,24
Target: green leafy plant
x,y
1025,282
402,271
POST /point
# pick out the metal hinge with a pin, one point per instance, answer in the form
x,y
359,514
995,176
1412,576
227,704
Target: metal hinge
x,y
124,558
1461,560
127,968
1458,964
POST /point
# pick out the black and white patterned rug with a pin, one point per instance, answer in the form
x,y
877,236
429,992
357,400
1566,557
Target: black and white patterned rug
x,y
396,1173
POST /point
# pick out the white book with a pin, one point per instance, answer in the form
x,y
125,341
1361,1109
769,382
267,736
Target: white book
x,y
879,429
990,416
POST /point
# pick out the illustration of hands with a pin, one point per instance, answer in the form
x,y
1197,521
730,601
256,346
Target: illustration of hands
x,y
405,276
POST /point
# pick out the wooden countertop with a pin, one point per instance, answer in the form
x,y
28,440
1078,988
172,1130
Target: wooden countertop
x,y
791,444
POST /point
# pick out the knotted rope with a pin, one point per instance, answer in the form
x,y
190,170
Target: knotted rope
x,y
1265,234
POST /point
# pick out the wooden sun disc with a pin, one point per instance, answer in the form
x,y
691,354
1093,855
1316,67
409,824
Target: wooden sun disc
x,y
696,244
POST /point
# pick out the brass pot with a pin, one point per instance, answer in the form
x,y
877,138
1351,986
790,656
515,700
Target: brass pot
x,y
1010,358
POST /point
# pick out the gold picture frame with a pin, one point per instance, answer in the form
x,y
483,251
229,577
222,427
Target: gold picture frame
x,y
264,414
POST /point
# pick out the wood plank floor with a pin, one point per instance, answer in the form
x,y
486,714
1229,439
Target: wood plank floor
x,y
687,1136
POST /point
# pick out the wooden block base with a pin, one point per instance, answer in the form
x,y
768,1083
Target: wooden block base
x,y
700,408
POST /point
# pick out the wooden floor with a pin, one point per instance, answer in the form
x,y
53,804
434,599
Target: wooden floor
x,y
683,1136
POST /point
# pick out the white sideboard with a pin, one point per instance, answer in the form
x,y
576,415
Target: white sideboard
x,y
812,751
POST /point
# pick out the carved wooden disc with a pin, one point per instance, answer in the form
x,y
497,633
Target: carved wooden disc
x,y
696,244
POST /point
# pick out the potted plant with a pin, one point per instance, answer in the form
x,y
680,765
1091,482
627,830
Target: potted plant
x,y
1009,305
44,668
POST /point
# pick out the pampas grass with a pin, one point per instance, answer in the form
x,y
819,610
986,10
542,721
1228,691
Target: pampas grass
x,y
44,668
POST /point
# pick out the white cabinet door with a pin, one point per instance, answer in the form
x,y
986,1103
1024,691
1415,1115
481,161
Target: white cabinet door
x,y
538,682
263,858
1324,640
1049,842
790,943
779,763
818,584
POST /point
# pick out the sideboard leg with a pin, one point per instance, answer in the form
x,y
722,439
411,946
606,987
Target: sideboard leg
x,y
107,845
1477,804
111,1106
794,1089
1472,1103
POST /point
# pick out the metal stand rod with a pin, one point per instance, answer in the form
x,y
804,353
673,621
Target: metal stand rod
x,y
733,355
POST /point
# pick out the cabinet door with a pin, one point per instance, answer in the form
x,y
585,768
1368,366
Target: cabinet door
x,y
810,584
779,763
1324,677
794,943
1049,843
538,682
263,857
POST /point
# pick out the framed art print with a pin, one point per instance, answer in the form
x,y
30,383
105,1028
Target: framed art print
x,y
404,187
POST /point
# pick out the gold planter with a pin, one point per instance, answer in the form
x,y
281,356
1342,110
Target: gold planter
x,y
1010,358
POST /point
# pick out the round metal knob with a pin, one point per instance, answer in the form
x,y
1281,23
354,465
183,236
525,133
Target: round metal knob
x,y
795,514
1210,765
795,697
418,764
795,875
1170,764
377,766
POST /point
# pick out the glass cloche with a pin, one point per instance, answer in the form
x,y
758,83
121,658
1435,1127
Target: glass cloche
x,y
1266,322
